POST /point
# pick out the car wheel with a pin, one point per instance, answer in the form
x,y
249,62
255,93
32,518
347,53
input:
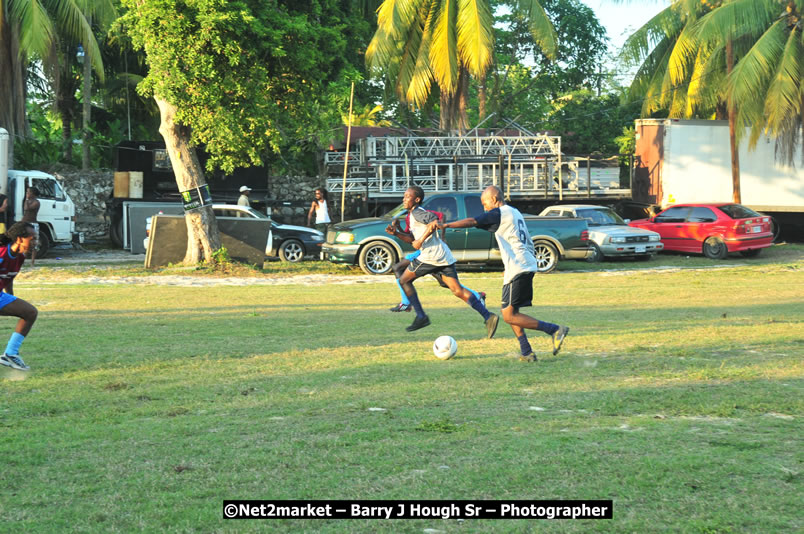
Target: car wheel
x,y
116,232
43,245
597,254
715,248
377,258
291,250
753,253
546,256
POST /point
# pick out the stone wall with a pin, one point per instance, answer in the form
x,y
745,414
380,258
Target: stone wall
x,y
90,189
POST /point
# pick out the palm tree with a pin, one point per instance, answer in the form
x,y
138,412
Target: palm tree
x,y
419,43
33,30
768,79
742,58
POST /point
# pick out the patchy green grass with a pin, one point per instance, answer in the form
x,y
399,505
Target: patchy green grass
x,y
678,394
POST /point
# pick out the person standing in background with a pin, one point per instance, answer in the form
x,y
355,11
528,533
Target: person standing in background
x,y
30,210
243,200
3,213
321,210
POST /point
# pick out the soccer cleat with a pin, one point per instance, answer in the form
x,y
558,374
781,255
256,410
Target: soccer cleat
x,y
483,298
402,308
14,361
418,322
558,338
529,357
491,324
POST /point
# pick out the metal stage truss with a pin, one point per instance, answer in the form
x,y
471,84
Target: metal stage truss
x,y
521,166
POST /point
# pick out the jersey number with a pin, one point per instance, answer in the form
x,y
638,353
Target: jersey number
x,y
522,230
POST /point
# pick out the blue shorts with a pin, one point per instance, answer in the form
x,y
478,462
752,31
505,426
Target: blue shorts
x,y
6,299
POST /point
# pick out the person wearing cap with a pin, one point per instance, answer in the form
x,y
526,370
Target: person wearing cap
x,y
243,200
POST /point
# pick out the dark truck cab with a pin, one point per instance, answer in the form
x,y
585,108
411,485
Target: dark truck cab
x,y
364,242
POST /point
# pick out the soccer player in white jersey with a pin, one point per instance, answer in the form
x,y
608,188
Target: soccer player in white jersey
x,y
520,264
435,258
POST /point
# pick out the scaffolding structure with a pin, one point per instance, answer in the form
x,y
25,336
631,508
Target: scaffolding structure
x,y
522,166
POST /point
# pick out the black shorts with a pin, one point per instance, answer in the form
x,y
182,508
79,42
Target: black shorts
x,y
518,292
423,269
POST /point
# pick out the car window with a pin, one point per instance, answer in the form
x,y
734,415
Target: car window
x,y
446,205
553,213
737,211
223,213
474,208
701,214
48,189
600,216
568,214
673,215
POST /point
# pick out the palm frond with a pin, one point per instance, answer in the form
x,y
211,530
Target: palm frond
x,y
443,49
753,72
37,32
738,18
540,27
784,95
475,41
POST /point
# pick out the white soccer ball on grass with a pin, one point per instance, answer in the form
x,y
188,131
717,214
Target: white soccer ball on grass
x,y
445,347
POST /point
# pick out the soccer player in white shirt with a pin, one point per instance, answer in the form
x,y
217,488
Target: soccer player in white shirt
x,y
435,258
520,264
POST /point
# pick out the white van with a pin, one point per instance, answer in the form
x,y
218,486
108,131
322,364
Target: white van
x,y
56,216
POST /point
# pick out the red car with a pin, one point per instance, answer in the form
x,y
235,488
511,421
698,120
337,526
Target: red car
x,y
711,229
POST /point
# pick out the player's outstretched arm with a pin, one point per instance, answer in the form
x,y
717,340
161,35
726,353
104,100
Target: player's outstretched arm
x,y
462,223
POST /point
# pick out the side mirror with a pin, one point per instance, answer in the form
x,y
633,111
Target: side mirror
x,y
652,218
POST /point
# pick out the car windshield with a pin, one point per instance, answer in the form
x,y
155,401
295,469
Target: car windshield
x,y
737,211
600,216
395,213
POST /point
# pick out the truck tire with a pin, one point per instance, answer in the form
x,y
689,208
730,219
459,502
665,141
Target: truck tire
x,y
714,248
44,243
546,256
116,232
377,258
291,250
597,254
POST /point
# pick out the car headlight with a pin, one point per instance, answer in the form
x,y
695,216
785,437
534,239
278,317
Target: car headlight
x,y
345,237
655,238
315,238
618,240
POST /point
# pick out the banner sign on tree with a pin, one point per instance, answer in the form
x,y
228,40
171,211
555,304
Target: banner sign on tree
x,y
197,198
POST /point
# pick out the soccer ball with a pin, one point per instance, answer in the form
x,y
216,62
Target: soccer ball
x,y
445,347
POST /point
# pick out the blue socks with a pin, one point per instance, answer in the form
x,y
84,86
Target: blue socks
x,y
13,347
524,346
417,306
476,305
547,328
404,300
472,291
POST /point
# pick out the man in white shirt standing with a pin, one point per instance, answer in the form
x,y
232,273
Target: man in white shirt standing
x,y
243,200
435,258
519,260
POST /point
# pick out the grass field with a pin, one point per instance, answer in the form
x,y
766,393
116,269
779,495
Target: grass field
x,y
678,395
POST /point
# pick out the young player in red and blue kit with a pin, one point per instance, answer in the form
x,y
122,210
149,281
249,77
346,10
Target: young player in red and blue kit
x,y
15,244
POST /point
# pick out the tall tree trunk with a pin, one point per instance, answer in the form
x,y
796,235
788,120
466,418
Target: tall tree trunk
x,y
87,94
481,98
461,98
203,237
445,112
735,155
12,86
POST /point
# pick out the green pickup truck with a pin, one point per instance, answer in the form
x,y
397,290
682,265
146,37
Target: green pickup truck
x,y
364,241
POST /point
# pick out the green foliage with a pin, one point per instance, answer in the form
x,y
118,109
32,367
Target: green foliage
x,y
44,145
247,76
221,256
589,123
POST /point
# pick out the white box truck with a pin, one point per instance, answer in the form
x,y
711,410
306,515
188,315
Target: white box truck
x,y
56,216
680,161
